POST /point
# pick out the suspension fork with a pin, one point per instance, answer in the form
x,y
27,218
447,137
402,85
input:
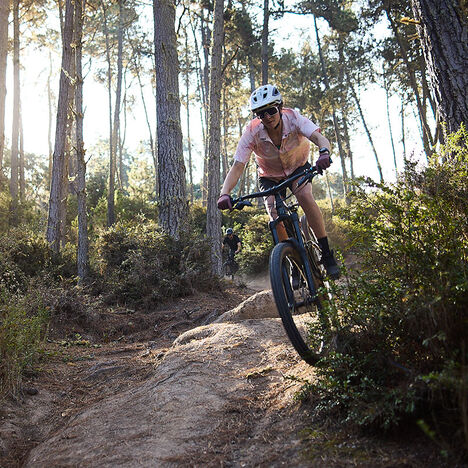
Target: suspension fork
x,y
300,247
296,241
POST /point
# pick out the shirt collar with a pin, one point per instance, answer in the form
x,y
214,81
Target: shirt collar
x,y
263,134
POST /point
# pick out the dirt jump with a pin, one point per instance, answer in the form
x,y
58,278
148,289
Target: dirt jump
x,y
221,394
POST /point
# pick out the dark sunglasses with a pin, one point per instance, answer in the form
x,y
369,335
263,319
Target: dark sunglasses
x,y
269,111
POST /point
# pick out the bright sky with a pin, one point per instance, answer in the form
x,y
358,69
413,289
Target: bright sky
x,y
35,114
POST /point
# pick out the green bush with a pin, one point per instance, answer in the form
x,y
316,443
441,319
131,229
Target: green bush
x,y
335,226
257,244
404,353
25,254
142,265
22,332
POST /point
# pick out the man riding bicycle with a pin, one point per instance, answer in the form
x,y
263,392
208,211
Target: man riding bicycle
x,y
232,241
279,137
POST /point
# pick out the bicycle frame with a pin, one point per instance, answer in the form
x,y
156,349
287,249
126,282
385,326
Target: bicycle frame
x,y
287,214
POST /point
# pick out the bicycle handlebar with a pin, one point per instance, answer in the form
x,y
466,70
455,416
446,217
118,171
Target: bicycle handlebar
x,y
307,175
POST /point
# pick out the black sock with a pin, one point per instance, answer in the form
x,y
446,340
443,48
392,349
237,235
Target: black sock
x,y
323,241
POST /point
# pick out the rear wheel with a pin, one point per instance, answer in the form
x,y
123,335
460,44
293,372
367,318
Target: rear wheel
x,y
298,307
230,267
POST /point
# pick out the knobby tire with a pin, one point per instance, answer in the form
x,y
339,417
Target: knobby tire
x,y
299,309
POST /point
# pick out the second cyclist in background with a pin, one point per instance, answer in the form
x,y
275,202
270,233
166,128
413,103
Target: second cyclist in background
x,y
233,244
232,241
280,138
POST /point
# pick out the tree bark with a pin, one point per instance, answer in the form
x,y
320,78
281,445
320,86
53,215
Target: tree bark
x,y
172,191
16,116
83,247
348,146
118,98
213,215
53,224
265,34
390,131
22,182
443,31
403,139
4,13
112,155
49,127
206,37
187,105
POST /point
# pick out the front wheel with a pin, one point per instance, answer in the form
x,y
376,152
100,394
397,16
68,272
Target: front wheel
x,y
299,308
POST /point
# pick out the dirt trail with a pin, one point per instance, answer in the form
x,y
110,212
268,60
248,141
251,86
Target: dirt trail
x,y
220,394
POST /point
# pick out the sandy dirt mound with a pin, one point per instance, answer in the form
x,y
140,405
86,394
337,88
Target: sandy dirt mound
x,y
219,397
260,305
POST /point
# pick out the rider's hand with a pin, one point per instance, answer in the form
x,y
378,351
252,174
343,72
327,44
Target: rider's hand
x,y
225,202
323,162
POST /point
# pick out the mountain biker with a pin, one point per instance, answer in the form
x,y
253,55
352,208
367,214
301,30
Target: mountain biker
x,y
279,137
232,241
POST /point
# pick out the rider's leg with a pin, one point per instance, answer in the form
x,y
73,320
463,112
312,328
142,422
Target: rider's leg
x,y
312,211
315,219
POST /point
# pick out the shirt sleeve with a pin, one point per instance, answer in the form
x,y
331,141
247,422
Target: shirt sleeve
x,y
305,125
245,146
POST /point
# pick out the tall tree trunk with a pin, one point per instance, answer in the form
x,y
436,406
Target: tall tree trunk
x,y
83,247
187,98
403,139
330,195
200,88
69,168
265,34
387,96
426,133
22,182
443,30
118,97
16,116
112,155
348,146
4,13
49,127
366,128
335,119
213,215
53,224
224,154
150,132
251,73
206,37
172,203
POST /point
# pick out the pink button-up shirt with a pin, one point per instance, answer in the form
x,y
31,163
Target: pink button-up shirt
x,y
273,162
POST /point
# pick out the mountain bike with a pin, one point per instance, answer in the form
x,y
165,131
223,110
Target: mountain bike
x,y
298,278
230,266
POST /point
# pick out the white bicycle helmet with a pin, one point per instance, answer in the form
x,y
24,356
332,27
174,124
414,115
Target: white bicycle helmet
x,y
264,96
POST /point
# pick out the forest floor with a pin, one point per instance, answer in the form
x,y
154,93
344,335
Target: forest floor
x,y
183,387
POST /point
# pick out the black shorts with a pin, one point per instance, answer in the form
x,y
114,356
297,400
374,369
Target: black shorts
x,y
265,183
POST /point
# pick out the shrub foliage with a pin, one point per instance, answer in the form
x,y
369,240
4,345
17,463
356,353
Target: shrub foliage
x,y
142,265
404,314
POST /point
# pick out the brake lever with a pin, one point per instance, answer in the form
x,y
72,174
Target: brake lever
x,y
240,205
